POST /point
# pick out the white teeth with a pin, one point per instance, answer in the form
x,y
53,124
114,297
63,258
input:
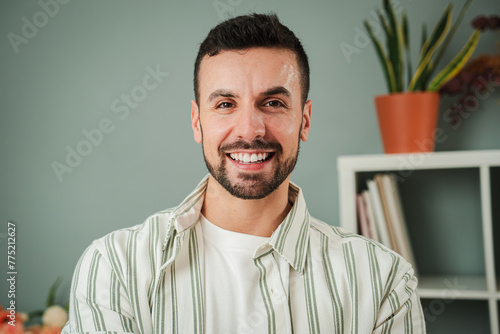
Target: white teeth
x,y
249,158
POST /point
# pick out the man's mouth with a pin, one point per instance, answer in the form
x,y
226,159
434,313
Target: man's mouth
x,y
250,158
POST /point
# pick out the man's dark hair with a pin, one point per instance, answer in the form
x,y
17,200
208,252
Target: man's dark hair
x,y
248,31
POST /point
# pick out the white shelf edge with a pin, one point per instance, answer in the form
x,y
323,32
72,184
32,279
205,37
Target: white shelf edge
x,y
415,161
464,295
455,287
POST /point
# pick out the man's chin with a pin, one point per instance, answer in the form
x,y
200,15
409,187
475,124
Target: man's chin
x,y
249,193
250,184
247,186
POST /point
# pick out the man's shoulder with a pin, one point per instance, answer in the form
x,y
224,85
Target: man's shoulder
x,y
335,233
338,237
342,248
149,234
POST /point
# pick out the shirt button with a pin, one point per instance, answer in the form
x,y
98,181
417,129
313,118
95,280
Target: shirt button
x,y
275,293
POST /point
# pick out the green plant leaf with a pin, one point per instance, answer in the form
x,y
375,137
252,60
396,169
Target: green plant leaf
x,y
394,45
437,36
52,292
448,38
404,31
385,25
424,36
406,43
390,14
424,77
384,60
456,63
389,41
431,45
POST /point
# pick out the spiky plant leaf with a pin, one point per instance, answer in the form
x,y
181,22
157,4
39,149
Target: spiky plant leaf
x,y
431,45
424,36
424,77
438,34
384,60
385,24
406,43
456,63
394,45
448,38
404,31
51,300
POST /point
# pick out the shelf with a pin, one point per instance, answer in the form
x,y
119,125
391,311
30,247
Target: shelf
x,y
453,287
411,161
497,295
451,204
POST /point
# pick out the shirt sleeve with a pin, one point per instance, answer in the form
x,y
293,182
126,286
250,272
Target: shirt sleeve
x,y
401,311
98,301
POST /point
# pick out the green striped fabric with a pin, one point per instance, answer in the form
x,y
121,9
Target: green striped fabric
x,y
150,279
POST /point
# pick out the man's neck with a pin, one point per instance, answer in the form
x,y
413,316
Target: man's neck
x,y
257,217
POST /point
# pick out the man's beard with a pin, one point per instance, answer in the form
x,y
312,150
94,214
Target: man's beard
x,y
258,187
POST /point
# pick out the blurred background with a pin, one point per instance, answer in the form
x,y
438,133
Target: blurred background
x,y
72,80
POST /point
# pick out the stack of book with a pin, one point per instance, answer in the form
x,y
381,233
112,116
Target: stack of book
x,y
381,217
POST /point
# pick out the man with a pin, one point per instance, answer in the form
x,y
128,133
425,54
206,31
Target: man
x,y
241,254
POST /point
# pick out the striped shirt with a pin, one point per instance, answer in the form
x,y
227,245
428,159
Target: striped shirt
x,y
150,279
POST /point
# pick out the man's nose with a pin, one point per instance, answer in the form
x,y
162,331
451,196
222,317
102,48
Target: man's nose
x,y
250,123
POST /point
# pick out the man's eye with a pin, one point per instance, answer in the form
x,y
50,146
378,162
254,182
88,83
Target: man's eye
x,y
274,104
225,105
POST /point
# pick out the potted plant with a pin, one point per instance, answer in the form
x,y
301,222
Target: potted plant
x,y
407,115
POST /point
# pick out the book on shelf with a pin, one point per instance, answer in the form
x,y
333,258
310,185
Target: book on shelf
x,y
369,216
378,213
365,218
362,216
385,209
387,216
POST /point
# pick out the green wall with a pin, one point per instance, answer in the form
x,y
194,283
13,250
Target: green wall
x,y
69,75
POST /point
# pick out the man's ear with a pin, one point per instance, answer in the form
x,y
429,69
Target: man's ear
x,y
306,121
195,122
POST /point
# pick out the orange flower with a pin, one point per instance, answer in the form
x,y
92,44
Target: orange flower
x,y
37,329
5,328
50,330
5,317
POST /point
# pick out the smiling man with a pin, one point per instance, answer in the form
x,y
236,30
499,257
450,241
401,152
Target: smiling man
x,y
242,254
250,116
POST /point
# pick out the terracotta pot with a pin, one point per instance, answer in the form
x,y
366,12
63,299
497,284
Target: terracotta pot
x,y
407,121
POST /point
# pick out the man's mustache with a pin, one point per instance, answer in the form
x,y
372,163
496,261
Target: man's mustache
x,y
256,144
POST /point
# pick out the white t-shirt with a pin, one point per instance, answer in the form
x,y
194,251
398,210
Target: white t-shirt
x,y
233,298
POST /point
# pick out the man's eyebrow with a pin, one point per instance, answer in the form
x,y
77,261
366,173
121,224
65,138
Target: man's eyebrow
x,y
220,92
227,93
276,91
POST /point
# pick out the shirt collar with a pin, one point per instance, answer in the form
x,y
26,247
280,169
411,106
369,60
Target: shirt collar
x,y
290,240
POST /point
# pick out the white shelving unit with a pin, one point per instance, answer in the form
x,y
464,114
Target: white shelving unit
x,y
485,287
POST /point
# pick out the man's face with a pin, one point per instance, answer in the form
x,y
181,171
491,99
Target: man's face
x,y
250,119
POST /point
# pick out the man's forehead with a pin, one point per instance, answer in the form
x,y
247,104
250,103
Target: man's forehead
x,y
227,64
270,54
